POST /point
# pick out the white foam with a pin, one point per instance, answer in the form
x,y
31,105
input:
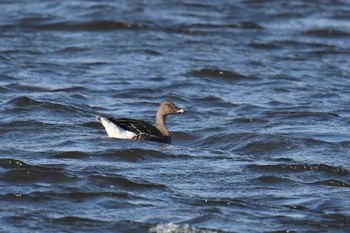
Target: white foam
x,y
174,228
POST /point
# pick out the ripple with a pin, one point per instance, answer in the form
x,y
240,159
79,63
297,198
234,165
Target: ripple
x,y
332,182
212,25
271,145
135,154
21,172
152,52
130,155
300,167
6,77
98,25
326,33
273,179
72,49
75,195
199,5
242,25
29,88
14,163
263,45
37,174
78,220
183,30
227,141
243,120
123,182
304,114
74,89
215,101
186,228
24,101
70,155
222,74
250,25
329,52
222,202
31,104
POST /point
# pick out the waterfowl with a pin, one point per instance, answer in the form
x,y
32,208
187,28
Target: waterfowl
x,y
126,128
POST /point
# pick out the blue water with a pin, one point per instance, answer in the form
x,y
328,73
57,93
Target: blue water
x,y
263,147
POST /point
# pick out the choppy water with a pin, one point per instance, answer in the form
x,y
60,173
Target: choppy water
x,y
264,145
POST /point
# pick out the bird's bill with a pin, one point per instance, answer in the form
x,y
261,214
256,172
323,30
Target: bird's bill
x,y
180,110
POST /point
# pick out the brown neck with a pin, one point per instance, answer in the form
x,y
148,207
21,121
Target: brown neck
x,y
160,124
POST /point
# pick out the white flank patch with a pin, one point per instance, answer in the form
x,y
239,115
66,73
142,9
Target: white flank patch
x,y
114,131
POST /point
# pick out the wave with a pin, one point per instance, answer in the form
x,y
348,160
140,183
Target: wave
x,y
35,176
72,49
214,26
184,138
14,163
242,25
263,45
182,30
29,88
221,74
130,154
243,120
79,195
99,25
123,182
323,52
250,143
21,87
295,44
8,163
152,52
19,171
7,78
300,168
74,89
72,194
199,5
138,154
74,223
271,145
212,100
186,228
250,25
70,155
303,114
326,33
112,25
25,102
141,92
76,219
4,89
216,202
273,179
332,182
227,141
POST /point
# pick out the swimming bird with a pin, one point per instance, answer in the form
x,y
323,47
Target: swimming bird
x,y
126,128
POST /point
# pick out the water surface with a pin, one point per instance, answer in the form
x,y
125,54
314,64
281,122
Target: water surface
x,y
264,145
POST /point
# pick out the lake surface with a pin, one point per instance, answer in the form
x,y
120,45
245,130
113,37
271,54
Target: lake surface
x,y
263,147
